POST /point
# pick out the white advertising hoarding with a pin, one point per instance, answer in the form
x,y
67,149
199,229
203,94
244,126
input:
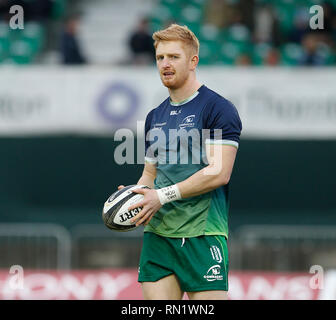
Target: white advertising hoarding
x,y
272,103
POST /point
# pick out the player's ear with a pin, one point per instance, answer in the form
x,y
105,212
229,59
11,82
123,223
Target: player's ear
x,y
194,62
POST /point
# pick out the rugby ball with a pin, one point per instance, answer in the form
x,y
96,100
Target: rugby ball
x,y
115,212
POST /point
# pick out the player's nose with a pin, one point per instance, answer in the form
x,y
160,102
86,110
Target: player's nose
x,y
165,63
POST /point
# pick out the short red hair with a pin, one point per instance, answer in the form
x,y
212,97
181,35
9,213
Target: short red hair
x,y
176,32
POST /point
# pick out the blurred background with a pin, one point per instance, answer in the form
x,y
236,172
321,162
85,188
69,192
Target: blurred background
x,y
80,71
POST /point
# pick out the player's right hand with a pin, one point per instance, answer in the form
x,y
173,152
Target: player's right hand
x,y
121,187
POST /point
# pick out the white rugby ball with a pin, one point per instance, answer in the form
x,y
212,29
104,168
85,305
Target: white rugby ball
x,y
115,212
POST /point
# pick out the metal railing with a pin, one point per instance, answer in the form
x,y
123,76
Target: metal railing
x,y
251,247
285,247
35,246
95,246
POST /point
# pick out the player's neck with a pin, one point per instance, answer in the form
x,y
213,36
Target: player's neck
x,y
183,93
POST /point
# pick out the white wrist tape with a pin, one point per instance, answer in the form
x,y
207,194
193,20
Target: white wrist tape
x,y
169,194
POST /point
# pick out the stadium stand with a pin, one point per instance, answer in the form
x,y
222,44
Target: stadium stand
x,y
24,46
98,30
223,44
270,26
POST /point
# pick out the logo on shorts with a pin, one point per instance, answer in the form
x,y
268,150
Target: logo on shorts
x,y
216,254
214,273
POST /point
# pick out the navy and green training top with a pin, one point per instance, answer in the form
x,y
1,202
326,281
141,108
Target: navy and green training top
x,y
176,139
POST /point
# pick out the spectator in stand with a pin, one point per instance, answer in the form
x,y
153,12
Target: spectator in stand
x,y
243,60
225,13
312,56
328,33
70,49
300,25
272,58
141,44
246,9
266,26
219,13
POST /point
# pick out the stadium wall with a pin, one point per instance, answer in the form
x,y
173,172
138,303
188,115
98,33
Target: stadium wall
x,y
67,179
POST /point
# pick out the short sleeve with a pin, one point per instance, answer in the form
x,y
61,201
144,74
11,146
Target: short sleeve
x,y
223,121
149,157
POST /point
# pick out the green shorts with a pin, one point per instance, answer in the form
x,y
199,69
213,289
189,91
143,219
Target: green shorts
x,y
199,263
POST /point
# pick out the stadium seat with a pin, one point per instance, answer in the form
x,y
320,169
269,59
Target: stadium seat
x,y
208,52
21,52
4,41
33,33
191,14
209,32
238,33
210,44
291,53
284,11
260,51
200,3
326,53
4,49
59,9
155,24
234,42
4,30
229,52
21,45
171,2
161,15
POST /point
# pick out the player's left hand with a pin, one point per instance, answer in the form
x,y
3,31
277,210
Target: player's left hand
x,y
150,205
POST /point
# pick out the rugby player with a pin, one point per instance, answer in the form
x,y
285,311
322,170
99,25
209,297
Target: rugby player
x,y
186,212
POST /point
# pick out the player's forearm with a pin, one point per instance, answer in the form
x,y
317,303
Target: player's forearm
x,y
216,174
147,180
202,181
148,175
